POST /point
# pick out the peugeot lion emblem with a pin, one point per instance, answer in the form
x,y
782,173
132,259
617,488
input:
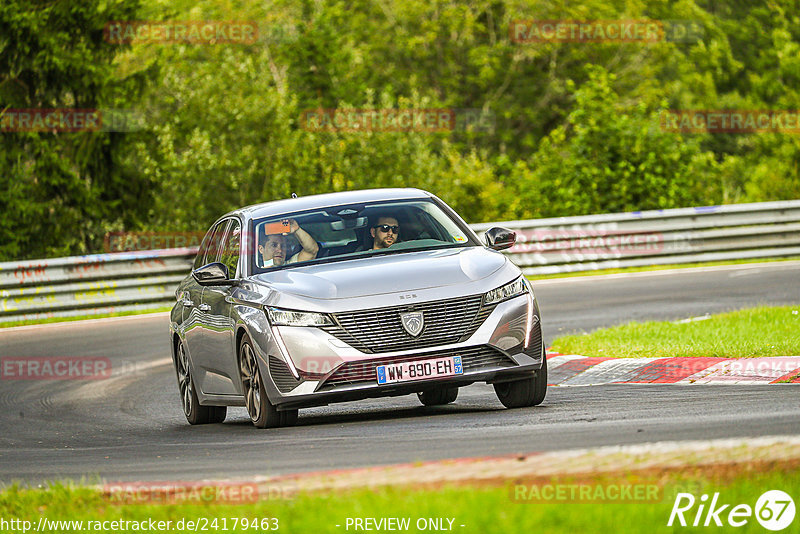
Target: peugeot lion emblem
x,y
412,322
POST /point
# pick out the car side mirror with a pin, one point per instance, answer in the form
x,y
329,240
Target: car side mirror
x,y
213,274
498,238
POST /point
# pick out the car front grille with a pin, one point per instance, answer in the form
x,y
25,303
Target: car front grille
x,y
381,330
472,358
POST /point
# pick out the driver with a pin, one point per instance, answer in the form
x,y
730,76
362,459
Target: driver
x,y
384,233
272,247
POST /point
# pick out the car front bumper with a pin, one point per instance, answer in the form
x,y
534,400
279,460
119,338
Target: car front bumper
x,y
309,366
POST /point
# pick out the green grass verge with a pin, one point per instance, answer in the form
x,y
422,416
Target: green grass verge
x,y
648,268
84,317
749,333
481,509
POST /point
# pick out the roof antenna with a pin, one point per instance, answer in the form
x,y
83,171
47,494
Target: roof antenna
x,y
294,195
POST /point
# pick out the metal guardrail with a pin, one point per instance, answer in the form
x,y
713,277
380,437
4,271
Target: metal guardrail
x,y
658,237
102,283
91,285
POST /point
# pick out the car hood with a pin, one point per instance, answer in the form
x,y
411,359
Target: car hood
x,y
408,271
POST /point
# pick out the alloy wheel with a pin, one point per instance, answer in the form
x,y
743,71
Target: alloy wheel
x,y
184,380
251,380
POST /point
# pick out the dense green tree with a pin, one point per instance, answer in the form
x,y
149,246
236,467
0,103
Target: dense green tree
x,y
59,189
611,157
575,129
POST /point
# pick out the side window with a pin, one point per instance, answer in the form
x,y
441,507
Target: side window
x,y
201,252
211,245
230,253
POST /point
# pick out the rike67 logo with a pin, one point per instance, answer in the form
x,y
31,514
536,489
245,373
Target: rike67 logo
x,y
774,510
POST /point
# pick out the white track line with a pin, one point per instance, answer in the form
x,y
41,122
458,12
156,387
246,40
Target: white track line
x,y
661,272
84,322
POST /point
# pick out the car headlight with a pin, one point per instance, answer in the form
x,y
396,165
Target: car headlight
x,y
279,317
512,289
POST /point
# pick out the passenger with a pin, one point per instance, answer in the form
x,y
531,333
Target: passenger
x,y
272,247
384,233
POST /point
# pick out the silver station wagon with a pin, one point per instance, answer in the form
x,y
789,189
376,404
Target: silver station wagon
x,y
346,296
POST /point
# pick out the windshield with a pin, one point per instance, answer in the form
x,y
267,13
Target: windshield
x,y
350,231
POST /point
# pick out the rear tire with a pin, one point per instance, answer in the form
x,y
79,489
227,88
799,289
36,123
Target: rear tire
x,y
195,414
526,392
438,397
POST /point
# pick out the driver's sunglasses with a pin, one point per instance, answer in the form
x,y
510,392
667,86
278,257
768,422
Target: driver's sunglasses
x,y
385,228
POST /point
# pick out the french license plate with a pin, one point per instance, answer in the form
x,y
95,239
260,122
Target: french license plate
x,y
405,371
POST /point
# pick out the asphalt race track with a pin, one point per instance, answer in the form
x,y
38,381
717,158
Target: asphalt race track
x,y
131,426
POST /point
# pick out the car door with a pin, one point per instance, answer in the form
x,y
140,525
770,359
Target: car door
x,y
194,316
218,352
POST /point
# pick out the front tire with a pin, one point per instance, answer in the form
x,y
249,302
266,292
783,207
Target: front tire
x,y
195,414
438,397
526,392
262,412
